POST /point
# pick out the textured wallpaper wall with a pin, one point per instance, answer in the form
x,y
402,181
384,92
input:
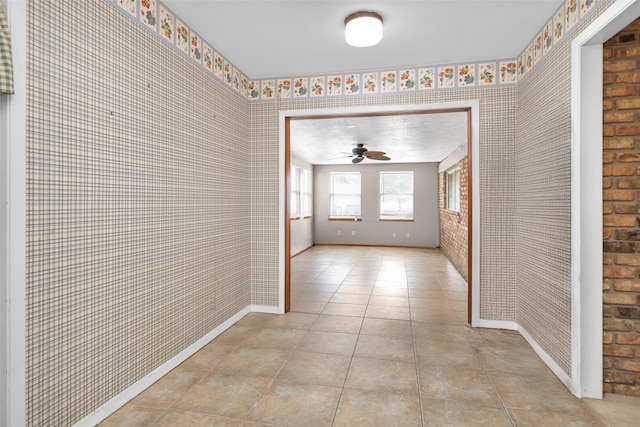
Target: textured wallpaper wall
x,y
543,200
137,206
497,183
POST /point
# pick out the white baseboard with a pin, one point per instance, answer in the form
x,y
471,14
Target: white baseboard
x,y
543,355
267,309
557,370
122,398
496,324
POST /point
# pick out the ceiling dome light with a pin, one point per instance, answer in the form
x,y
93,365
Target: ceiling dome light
x,y
363,29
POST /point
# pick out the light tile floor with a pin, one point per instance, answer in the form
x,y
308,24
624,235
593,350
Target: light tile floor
x,y
375,337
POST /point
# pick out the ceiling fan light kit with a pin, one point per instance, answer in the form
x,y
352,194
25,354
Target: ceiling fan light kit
x,y
363,29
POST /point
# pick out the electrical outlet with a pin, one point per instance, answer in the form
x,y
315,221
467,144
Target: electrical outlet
x,y
408,235
353,232
394,234
339,232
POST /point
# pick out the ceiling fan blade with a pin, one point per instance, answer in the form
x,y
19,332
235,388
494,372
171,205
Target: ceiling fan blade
x,y
374,153
341,157
357,159
380,158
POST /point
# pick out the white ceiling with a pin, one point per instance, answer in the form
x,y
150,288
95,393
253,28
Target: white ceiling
x,y
288,38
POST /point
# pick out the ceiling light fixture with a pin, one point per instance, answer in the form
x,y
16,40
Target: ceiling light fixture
x,y
363,29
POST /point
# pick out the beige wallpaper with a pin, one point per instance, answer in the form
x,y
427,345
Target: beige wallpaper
x,y
543,200
137,206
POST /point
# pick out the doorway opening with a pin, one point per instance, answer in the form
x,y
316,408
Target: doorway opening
x,y
468,108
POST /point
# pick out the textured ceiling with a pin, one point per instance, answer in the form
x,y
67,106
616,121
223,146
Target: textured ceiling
x,y
411,138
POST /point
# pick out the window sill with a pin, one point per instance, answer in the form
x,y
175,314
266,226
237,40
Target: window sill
x,y
396,220
345,219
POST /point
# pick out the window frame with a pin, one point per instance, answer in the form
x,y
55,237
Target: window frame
x,y
306,194
452,179
294,192
356,217
382,194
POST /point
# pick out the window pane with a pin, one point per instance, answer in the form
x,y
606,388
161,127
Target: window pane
x,y
396,182
345,205
345,183
396,206
294,203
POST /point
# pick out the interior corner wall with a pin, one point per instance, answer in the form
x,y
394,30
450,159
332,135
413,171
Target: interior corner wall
x,y
497,110
543,199
138,188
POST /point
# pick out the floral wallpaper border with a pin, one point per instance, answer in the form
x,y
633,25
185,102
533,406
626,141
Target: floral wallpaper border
x,y
387,81
558,25
162,21
157,18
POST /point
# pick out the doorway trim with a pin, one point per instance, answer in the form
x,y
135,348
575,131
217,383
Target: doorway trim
x,y
474,152
586,196
13,166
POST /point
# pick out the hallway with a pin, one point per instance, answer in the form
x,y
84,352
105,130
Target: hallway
x,y
376,337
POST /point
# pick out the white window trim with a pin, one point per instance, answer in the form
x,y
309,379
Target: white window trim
x,y
294,190
306,193
396,218
449,172
331,174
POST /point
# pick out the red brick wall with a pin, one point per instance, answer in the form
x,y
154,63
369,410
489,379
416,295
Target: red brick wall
x,y
454,225
621,206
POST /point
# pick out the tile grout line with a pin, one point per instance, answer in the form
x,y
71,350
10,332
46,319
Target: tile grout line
x,y
344,383
415,356
335,413
245,419
484,370
172,407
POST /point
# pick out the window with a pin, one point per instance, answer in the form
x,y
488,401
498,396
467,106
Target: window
x,y
294,192
344,194
300,195
307,193
396,195
453,189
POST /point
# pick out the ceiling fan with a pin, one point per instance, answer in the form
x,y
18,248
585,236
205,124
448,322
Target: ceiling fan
x,y
359,153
